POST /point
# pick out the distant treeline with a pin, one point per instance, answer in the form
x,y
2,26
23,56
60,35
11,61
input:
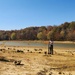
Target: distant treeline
x,y
63,32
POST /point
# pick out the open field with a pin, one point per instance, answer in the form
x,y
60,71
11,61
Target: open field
x,y
17,60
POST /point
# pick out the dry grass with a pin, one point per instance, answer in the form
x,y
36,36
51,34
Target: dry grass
x,y
34,61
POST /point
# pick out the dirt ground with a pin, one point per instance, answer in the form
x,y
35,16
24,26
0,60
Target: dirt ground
x,y
16,60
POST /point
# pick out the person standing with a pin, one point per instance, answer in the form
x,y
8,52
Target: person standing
x,y
50,47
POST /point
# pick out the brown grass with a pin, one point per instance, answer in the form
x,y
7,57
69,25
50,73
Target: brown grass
x,y
34,61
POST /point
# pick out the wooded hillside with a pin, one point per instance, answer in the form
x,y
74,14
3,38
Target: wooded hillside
x,y
63,32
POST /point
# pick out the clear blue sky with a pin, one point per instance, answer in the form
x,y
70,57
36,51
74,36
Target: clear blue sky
x,y
19,14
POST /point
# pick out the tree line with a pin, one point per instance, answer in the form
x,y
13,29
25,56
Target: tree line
x,y
63,32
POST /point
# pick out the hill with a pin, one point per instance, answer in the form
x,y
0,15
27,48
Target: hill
x,y
63,32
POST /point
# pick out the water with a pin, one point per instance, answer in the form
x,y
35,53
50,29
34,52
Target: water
x,y
67,46
40,44
22,43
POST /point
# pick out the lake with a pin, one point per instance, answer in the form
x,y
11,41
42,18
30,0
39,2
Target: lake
x,y
70,46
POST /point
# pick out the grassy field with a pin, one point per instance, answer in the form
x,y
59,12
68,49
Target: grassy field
x,y
17,60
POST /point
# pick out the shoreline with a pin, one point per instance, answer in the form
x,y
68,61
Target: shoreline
x,y
34,61
35,41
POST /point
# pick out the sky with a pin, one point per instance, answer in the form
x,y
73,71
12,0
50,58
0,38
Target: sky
x,y
19,14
